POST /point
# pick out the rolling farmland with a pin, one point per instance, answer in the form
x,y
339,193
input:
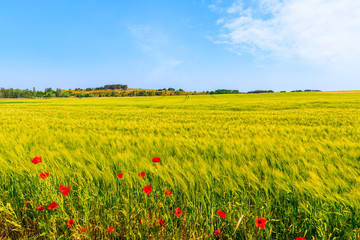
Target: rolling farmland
x,y
291,158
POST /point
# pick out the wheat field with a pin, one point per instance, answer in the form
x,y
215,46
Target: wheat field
x,y
291,158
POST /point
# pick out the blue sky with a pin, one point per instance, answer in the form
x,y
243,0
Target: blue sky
x,y
190,44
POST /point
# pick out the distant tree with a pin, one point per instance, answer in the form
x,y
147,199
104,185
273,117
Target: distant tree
x,y
40,94
115,86
65,94
48,90
261,91
49,94
171,89
310,90
58,92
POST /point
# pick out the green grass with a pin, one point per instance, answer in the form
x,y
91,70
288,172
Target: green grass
x,y
292,158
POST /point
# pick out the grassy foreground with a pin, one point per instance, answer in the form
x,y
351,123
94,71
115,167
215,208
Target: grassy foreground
x,y
292,158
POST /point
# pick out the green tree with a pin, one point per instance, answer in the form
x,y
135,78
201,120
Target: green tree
x,y
47,90
58,92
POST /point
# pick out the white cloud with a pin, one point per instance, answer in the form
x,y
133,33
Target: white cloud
x,y
237,6
146,38
155,44
220,21
212,7
317,31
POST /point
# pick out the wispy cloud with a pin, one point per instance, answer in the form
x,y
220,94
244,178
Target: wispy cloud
x,y
155,44
317,31
164,68
214,5
140,34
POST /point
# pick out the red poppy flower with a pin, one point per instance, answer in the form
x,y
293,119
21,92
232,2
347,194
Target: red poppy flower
x,y
110,229
147,189
140,221
161,222
44,175
120,175
36,160
156,159
217,232
260,222
53,205
178,212
142,174
83,230
148,215
40,208
300,238
64,190
70,222
221,214
26,204
167,192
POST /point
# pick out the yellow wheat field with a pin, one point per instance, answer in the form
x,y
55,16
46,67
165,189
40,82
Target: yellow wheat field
x,y
292,158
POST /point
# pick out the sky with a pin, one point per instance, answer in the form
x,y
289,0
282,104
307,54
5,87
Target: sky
x,y
196,45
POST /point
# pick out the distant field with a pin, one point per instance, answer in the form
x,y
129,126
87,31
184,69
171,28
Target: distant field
x,y
292,158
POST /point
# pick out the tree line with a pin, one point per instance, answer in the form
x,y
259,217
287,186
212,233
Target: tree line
x,y
116,90
106,87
